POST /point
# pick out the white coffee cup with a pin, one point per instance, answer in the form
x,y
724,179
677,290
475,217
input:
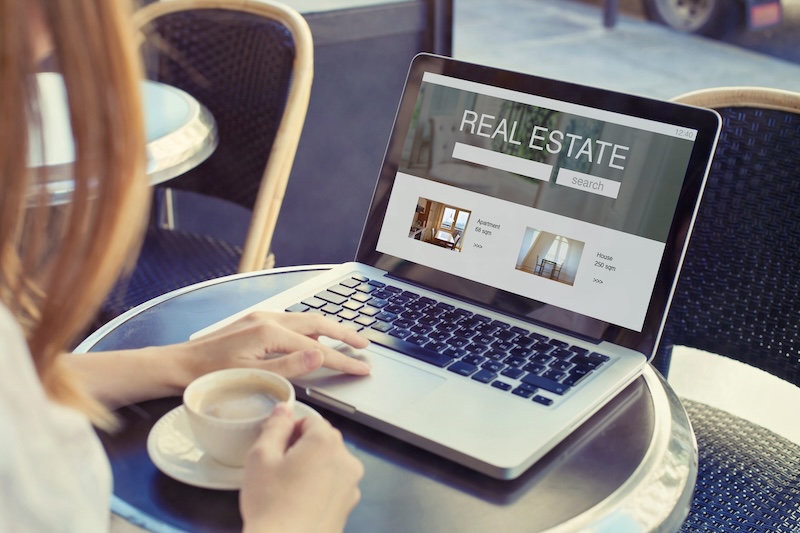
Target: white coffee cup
x,y
227,408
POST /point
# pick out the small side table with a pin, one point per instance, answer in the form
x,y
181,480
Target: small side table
x,y
630,468
181,134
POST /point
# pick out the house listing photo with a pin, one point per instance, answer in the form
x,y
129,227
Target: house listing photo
x,y
550,256
439,224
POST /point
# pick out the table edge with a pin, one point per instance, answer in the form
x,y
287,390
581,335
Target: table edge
x,y
658,495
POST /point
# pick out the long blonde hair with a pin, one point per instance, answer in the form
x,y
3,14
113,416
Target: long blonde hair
x,y
58,263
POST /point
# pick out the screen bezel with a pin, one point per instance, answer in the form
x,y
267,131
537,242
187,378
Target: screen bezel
x,y
706,122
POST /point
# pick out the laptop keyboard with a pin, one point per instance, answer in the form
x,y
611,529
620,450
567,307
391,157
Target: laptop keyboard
x,y
487,351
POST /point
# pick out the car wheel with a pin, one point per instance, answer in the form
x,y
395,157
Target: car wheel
x,y
705,17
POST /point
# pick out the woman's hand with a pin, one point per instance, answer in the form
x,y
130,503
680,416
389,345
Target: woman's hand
x,y
285,343
299,477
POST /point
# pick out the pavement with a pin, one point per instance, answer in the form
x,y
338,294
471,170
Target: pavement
x,y
565,39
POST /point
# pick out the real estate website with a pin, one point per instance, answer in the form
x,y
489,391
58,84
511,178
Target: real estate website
x,y
561,203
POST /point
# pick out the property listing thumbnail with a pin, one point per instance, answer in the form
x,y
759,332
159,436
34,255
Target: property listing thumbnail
x,y
567,205
550,256
439,224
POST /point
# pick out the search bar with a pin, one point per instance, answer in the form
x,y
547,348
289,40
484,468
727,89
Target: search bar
x,y
509,163
588,183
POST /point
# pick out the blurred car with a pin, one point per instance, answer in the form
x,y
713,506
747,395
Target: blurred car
x,y
714,17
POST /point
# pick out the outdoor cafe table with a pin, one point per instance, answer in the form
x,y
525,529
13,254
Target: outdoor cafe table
x,y
630,468
180,132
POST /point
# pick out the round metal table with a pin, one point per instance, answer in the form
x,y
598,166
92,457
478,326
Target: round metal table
x,y
181,134
630,468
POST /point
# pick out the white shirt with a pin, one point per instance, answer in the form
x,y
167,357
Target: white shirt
x,y
54,474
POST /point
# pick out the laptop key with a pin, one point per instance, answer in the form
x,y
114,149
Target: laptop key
x,y
484,376
439,335
403,323
454,352
365,288
534,368
394,308
412,350
352,305
400,333
545,383
365,321
457,342
561,365
542,400
514,361
385,316
419,340
506,335
524,393
331,309
341,290
555,375
333,298
462,368
382,295
575,377
361,297
437,346
494,366
512,372
296,308
381,326
579,350
378,302
347,314
314,302
473,359
476,349
502,385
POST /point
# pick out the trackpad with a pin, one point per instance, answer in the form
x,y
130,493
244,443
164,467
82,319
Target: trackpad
x,y
390,386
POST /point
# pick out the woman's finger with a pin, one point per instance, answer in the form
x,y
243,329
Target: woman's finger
x,y
276,435
293,341
314,325
295,364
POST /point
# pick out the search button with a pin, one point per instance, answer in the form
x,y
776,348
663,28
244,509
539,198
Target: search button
x,y
588,183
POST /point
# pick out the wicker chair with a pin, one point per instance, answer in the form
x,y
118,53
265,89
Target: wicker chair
x,y
250,62
738,296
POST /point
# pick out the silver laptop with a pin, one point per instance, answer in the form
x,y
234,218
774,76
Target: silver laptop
x,y
516,264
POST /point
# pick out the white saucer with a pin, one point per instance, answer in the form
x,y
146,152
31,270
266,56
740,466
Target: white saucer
x,y
172,449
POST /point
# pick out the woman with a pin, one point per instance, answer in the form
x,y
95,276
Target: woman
x,y
56,266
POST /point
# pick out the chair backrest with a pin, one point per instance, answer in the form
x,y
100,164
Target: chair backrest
x,y
739,290
251,64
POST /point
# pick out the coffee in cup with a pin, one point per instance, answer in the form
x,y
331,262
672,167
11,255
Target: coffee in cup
x,y
226,409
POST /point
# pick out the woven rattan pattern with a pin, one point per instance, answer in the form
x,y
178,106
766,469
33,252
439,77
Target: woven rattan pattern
x,y
748,478
739,289
238,65
229,62
173,259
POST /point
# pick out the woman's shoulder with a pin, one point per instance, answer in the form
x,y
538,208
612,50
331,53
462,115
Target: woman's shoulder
x,y
16,364
54,473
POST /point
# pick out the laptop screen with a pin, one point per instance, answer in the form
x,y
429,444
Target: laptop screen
x,y
560,204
